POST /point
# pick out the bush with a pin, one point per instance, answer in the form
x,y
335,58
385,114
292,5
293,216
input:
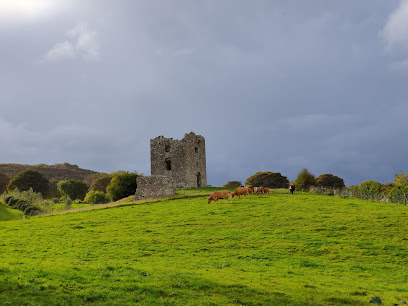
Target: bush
x,y
122,185
26,201
101,184
369,187
304,180
74,189
329,181
399,194
29,179
232,184
96,197
268,179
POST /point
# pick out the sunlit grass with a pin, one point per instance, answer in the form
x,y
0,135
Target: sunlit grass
x,y
271,250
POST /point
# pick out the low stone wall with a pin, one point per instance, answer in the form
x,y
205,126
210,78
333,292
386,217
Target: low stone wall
x,y
155,186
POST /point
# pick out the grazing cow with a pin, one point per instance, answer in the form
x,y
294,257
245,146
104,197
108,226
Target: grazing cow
x,y
258,190
241,191
216,195
266,190
292,189
250,189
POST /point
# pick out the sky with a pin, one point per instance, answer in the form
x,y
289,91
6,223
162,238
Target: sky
x,y
271,85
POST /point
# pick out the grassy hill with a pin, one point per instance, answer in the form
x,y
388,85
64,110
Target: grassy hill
x,y
52,172
7,213
267,250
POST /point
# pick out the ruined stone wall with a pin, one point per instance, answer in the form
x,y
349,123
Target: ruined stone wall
x,y
183,161
196,173
155,186
167,158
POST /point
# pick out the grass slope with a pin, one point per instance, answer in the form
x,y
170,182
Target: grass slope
x,y
7,213
277,250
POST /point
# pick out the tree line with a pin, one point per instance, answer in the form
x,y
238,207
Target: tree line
x,y
32,184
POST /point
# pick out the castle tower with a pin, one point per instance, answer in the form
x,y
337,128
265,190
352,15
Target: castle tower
x,y
182,161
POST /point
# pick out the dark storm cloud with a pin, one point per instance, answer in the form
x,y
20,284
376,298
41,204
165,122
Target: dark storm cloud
x,y
272,85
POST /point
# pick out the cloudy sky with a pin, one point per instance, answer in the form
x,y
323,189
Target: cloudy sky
x,y
272,85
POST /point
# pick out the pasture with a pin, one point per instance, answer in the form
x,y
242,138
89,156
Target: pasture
x,y
268,250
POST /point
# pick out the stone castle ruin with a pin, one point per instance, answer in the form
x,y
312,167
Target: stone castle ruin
x,y
175,164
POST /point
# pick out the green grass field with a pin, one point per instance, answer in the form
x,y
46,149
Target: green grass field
x,y
7,213
268,250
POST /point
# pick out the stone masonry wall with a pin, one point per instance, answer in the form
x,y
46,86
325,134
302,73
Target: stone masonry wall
x,y
156,186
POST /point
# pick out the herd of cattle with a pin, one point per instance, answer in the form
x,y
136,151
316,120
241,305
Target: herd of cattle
x,y
241,191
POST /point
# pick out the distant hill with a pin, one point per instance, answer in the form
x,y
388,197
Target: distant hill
x,y
57,172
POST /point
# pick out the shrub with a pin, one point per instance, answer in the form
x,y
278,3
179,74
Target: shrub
x,y
74,189
123,184
96,197
329,181
268,179
29,179
26,201
369,187
304,180
232,184
399,194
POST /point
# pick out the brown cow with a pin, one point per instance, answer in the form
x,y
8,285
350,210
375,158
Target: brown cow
x,y
250,189
266,190
241,191
258,190
223,194
292,189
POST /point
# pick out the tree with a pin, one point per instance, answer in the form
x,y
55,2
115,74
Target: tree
x,y
4,180
53,191
329,181
401,178
73,188
101,183
304,180
232,184
122,185
268,179
29,179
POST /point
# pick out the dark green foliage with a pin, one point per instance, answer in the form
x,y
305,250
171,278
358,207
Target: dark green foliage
x,y
53,191
232,184
101,184
122,185
73,189
96,197
268,179
29,179
27,207
10,200
329,181
305,180
399,194
369,187
4,180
